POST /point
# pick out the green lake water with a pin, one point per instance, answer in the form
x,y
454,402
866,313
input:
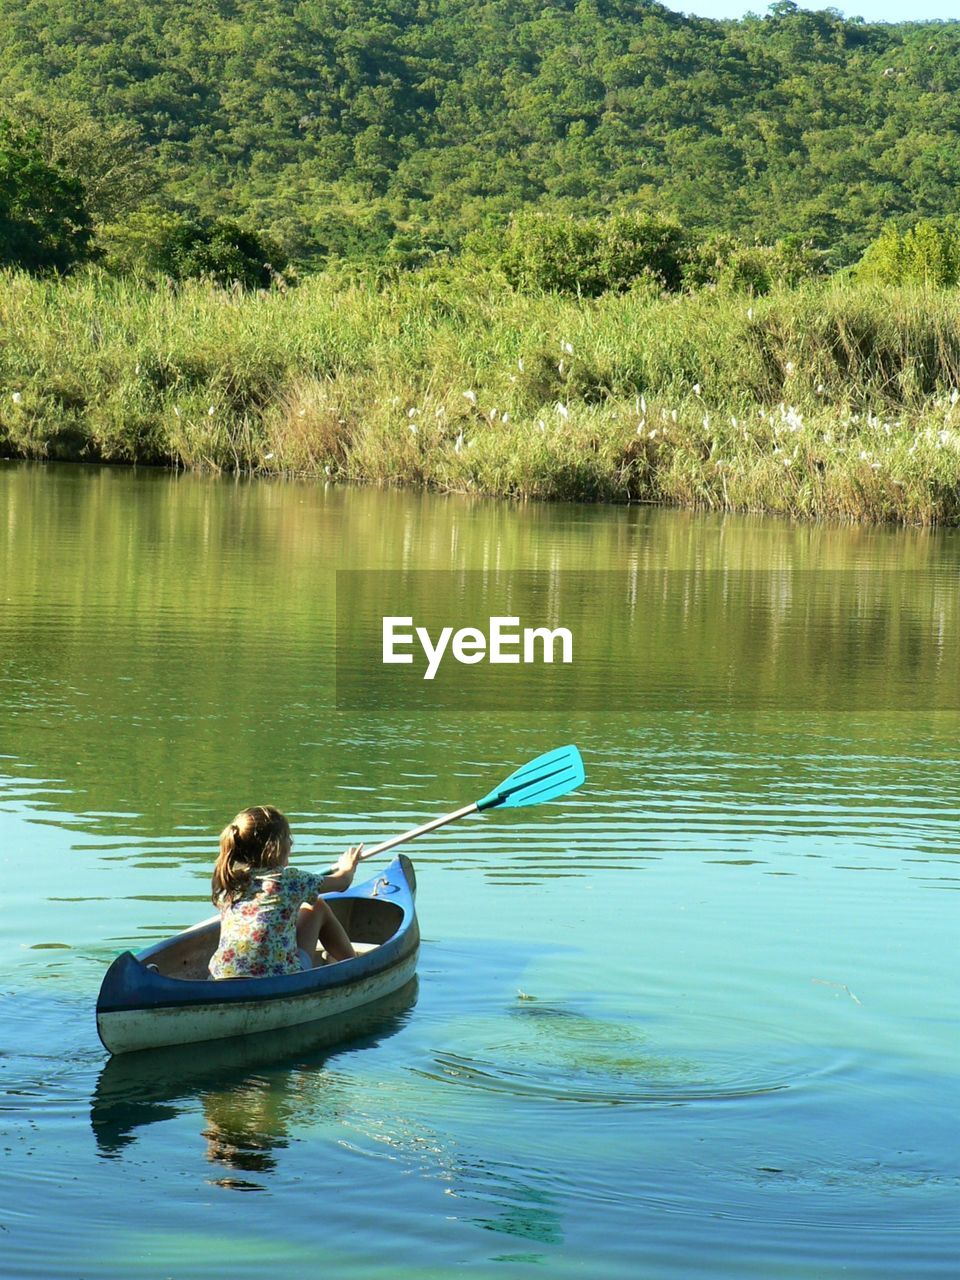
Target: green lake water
x,y
700,1018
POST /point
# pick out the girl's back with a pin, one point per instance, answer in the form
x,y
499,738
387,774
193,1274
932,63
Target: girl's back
x,y
272,916
258,931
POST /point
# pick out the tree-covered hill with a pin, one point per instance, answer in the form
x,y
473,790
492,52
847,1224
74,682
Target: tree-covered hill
x,y
332,122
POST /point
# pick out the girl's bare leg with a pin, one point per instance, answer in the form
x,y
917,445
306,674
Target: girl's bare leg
x,y
317,923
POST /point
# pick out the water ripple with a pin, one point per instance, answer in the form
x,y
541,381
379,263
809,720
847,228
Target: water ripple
x,y
592,1087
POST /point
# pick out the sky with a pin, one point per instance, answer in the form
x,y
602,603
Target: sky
x,y
870,10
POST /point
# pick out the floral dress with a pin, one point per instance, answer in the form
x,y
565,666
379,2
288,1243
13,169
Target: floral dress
x,y
258,933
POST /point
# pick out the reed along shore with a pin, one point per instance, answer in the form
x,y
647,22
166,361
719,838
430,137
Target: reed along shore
x,y
830,400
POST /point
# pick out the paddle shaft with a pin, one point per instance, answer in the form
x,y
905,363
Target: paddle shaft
x,y
419,831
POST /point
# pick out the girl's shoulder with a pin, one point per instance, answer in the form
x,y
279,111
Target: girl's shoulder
x,y
285,878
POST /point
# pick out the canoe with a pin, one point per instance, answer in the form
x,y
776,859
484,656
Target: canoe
x,y
164,996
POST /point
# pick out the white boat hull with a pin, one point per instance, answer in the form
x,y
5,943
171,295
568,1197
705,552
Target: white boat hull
x,y
129,1030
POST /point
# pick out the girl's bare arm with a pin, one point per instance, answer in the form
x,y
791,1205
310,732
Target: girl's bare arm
x,y
342,877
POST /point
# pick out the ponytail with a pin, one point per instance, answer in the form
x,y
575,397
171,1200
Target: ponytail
x,y
257,839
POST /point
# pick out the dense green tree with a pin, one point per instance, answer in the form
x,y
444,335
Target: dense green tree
x,y
299,114
44,223
108,158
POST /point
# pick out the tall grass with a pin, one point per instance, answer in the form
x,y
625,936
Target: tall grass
x,y
829,400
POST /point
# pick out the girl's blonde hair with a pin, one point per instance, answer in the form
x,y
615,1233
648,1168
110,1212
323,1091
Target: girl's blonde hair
x,y
258,839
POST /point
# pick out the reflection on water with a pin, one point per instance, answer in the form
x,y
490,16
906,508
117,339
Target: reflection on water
x,y
125,626
658,641
253,1090
635,1047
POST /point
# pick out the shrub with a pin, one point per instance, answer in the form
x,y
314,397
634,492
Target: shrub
x,y
927,253
553,253
183,248
726,263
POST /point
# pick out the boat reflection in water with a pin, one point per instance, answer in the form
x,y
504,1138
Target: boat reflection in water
x,y
251,1089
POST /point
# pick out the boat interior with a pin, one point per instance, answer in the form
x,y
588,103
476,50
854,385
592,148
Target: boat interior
x,y
369,922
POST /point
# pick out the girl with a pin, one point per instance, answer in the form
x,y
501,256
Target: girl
x,y
271,914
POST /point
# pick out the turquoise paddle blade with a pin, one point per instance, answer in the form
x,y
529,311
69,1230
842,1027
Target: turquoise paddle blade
x,y
549,776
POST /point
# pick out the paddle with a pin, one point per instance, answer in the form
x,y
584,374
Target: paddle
x,y
546,778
